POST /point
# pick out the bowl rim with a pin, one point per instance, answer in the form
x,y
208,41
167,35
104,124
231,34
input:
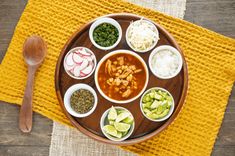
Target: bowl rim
x,y
171,109
124,51
74,49
68,94
104,116
99,21
146,50
172,49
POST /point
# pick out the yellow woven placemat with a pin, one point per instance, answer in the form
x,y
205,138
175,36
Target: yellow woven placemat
x,y
210,58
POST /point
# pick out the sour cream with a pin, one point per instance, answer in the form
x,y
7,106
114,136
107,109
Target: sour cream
x,y
165,62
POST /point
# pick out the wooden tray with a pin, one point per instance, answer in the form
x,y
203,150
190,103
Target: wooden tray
x,y
144,128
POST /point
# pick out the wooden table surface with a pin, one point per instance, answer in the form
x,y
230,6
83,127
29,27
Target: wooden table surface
x,y
216,15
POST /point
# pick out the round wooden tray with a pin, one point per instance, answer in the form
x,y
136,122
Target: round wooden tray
x,y
144,128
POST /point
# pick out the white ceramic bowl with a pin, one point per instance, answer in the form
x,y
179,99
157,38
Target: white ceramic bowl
x,y
148,49
69,93
104,119
105,20
171,109
172,49
75,77
121,51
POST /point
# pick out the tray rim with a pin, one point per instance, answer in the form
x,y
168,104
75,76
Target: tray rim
x,y
135,140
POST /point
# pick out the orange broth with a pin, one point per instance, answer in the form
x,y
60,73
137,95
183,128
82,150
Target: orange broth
x,y
128,60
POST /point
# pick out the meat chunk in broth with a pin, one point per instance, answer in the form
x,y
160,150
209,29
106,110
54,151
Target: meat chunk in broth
x,y
108,67
127,93
120,60
122,76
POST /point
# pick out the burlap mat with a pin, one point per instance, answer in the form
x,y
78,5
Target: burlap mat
x,y
66,141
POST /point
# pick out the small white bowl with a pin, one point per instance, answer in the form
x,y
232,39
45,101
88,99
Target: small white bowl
x,y
68,95
171,109
104,119
105,20
150,48
75,77
172,49
120,51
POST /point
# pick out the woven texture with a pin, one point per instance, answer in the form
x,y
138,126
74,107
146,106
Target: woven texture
x,y
174,8
210,58
68,141
64,139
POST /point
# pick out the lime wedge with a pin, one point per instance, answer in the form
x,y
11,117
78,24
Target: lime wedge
x,y
128,120
112,114
121,127
120,111
109,129
124,133
111,122
119,135
122,116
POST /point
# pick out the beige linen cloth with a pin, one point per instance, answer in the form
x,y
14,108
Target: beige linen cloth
x,y
70,142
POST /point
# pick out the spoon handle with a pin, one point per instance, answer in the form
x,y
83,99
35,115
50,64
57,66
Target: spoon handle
x,y
26,113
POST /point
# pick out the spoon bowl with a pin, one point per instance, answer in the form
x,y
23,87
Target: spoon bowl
x,y
34,50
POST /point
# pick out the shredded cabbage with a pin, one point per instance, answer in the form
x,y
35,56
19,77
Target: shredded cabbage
x,y
142,35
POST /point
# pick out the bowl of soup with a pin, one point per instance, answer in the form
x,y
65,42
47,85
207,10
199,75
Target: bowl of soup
x,y
121,76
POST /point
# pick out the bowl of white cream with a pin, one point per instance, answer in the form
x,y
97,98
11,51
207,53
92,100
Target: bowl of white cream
x,y
165,62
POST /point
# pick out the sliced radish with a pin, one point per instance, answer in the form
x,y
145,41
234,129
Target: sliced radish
x,y
92,64
78,50
69,60
76,71
84,52
77,59
82,74
89,58
87,70
71,71
67,67
84,64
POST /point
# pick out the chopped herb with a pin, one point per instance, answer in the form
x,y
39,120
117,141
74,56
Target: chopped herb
x,y
105,35
82,101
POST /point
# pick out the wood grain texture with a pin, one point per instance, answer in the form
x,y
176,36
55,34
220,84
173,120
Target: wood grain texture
x,y
34,52
12,141
216,15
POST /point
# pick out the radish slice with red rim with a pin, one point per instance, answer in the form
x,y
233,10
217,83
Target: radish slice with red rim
x,y
87,70
77,59
68,67
69,60
82,74
84,52
89,58
76,71
71,71
84,64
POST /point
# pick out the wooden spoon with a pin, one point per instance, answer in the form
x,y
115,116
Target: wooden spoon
x,y
34,52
